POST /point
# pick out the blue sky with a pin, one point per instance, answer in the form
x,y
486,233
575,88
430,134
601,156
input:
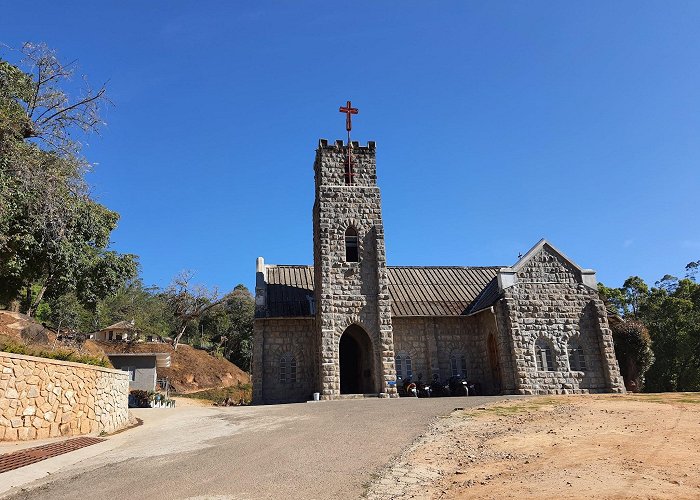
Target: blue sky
x,y
497,123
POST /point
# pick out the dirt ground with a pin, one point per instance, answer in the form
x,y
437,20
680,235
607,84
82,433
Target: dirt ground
x,y
597,446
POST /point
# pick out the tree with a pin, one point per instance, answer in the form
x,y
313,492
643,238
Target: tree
x,y
240,308
670,311
53,237
614,299
36,106
633,349
67,313
673,320
146,306
187,302
635,291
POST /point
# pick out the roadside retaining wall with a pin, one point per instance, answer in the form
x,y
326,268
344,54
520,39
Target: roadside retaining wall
x,y
41,398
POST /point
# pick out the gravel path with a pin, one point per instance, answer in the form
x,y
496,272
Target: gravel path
x,y
310,450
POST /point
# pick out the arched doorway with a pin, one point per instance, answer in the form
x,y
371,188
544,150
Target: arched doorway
x,y
355,356
495,364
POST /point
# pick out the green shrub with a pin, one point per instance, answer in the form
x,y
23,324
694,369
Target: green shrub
x,y
141,399
14,347
634,352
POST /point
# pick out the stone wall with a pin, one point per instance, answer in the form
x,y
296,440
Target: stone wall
x,y
42,398
550,302
431,341
279,337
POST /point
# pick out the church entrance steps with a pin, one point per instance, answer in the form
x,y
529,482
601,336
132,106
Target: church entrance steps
x,y
357,396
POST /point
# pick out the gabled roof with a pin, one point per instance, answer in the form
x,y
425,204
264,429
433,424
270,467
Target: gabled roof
x,y
121,325
535,249
415,291
506,276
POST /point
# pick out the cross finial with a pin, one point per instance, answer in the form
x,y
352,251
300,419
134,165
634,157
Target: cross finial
x,y
349,111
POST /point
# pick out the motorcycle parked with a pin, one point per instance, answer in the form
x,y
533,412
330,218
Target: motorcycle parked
x,y
437,388
410,389
423,388
458,386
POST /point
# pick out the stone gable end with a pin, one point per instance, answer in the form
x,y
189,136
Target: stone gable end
x,y
549,303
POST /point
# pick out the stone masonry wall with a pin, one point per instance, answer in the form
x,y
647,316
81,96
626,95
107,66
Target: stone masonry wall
x,y
280,336
550,302
42,398
350,292
506,348
430,341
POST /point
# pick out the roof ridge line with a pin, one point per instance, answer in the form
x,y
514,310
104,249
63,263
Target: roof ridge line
x,y
448,267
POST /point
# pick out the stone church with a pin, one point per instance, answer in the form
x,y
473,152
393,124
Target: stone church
x,y
350,324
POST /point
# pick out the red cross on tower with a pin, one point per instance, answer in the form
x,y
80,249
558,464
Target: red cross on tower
x,y
349,111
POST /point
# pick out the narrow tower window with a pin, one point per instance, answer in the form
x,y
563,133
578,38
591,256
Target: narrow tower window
x,y
351,251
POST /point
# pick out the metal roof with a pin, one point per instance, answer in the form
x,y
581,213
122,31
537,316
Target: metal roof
x,y
162,358
436,291
415,291
290,290
486,298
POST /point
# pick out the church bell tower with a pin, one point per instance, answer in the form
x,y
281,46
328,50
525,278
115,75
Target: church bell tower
x,y
353,308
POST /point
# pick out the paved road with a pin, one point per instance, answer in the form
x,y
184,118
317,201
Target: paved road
x,y
305,451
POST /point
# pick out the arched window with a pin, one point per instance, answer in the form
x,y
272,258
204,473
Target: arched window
x,y
404,369
352,253
458,364
577,360
288,369
544,356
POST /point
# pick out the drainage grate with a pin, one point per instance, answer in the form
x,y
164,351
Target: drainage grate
x,y
12,461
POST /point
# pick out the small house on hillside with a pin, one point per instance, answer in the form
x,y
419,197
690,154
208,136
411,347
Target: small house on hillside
x,y
122,331
142,367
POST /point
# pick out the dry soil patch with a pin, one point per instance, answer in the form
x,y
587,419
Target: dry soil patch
x,y
602,446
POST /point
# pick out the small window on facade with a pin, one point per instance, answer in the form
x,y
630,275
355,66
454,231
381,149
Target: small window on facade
x,y
352,253
132,372
458,365
577,360
544,356
288,369
404,369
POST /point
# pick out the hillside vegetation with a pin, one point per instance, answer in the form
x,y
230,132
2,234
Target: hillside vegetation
x,y
191,369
